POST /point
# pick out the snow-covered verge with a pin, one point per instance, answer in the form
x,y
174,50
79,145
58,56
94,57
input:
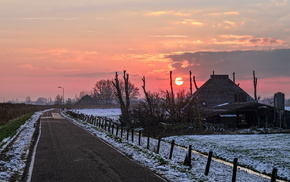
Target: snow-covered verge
x,y
173,170
15,150
260,152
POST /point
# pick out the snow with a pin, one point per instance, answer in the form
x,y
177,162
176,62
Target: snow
x,y
14,161
112,113
173,169
160,163
287,108
261,152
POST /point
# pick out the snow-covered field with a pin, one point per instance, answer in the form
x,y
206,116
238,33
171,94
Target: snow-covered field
x,y
261,152
113,113
173,169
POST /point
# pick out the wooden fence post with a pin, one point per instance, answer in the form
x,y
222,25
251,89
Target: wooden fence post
x,y
274,175
208,163
133,135
128,134
158,145
122,132
139,138
187,160
112,129
109,126
117,131
235,169
148,141
171,149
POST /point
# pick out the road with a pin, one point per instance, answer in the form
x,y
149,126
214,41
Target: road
x,y
68,153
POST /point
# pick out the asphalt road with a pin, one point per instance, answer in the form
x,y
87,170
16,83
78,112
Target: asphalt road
x,y
66,152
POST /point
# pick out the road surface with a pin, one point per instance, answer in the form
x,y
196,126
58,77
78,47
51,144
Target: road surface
x,y
66,152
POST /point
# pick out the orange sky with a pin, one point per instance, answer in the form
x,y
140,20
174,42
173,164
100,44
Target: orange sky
x,y
73,44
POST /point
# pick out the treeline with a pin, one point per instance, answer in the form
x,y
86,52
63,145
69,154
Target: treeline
x,y
9,111
157,110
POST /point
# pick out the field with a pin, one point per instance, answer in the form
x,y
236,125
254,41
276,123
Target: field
x,y
260,152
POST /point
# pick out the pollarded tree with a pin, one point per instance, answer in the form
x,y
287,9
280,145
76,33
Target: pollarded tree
x,y
125,92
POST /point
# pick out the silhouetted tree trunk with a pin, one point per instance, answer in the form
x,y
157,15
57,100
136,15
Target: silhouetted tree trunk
x,y
194,81
148,99
125,117
172,103
255,80
190,82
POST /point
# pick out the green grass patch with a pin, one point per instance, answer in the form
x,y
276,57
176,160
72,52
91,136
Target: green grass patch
x,y
12,125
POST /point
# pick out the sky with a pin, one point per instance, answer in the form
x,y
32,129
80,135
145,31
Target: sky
x,y
73,44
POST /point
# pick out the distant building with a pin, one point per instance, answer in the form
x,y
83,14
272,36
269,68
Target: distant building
x,y
86,100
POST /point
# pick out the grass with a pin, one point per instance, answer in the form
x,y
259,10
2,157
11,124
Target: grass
x,y
12,126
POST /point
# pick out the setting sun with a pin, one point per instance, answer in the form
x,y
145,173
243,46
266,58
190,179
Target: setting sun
x,y
178,81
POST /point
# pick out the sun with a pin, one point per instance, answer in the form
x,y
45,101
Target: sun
x,y
178,81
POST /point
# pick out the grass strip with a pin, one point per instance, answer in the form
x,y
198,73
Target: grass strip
x,y
12,126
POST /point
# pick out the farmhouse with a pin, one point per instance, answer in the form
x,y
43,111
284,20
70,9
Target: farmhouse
x,y
219,89
220,101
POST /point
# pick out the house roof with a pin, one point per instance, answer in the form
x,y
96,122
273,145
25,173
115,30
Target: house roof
x,y
220,89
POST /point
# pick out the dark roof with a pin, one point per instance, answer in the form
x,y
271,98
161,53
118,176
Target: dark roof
x,y
86,100
220,89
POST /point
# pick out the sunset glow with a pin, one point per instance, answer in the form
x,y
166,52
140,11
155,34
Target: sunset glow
x,y
74,44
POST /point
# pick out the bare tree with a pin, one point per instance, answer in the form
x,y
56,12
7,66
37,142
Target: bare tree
x,y
58,100
28,100
104,91
123,100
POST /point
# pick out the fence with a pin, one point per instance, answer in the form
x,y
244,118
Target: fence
x,y
114,128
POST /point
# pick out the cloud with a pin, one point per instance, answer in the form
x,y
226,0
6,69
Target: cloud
x,y
233,24
160,13
47,18
231,13
236,36
247,41
191,22
224,13
147,58
265,41
268,63
66,55
169,36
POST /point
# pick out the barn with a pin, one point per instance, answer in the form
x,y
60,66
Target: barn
x,y
222,102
